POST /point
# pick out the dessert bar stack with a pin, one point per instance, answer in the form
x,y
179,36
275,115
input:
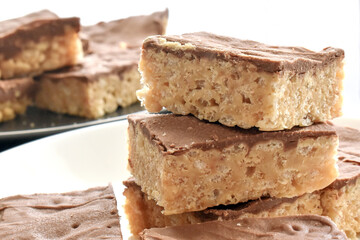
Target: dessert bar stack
x,y
339,200
247,136
29,46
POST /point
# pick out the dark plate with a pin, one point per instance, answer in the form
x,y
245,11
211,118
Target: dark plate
x,y
37,123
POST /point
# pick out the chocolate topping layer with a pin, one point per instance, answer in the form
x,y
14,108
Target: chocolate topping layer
x,y
265,57
90,214
15,32
348,156
176,134
292,227
125,33
94,65
15,88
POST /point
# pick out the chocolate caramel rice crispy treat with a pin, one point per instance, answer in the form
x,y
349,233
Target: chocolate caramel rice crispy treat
x,y
241,82
289,228
108,76
186,164
143,212
99,85
90,214
15,96
38,42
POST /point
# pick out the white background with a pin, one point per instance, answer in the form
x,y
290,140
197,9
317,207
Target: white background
x,y
313,24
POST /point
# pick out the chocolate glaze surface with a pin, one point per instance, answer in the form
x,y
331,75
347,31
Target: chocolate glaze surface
x,y
348,157
265,57
15,32
292,227
125,33
90,214
16,88
94,65
176,134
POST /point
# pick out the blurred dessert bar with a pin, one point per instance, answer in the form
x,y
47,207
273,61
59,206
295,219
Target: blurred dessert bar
x,y
240,82
108,76
38,42
124,33
186,164
144,213
340,200
97,86
291,227
15,96
90,214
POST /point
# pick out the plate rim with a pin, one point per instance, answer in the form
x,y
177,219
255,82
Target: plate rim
x,y
48,131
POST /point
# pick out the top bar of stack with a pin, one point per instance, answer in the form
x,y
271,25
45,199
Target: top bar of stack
x,y
243,83
38,42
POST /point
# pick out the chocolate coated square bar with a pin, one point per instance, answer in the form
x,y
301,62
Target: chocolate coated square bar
x,y
186,164
108,76
38,42
143,212
240,82
90,214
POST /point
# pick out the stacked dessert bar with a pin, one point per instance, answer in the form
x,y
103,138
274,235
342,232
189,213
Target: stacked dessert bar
x,y
247,136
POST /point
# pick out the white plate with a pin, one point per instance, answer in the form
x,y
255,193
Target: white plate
x,y
75,160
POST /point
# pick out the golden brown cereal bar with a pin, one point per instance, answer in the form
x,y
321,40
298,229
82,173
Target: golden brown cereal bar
x,y
38,42
186,164
15,96
108,76
238,82
143,212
